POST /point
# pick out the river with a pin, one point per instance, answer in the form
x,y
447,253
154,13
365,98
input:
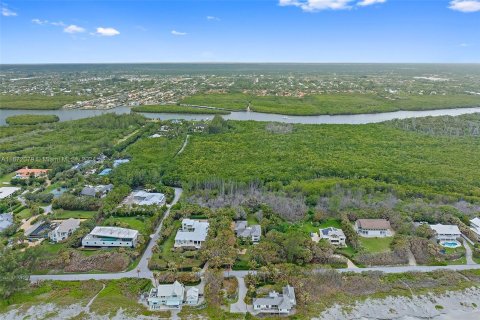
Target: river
x,y
74,114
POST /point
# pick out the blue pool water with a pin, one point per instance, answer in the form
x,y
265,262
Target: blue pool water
x,y
450,244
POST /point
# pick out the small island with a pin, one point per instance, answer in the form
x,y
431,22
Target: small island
x,y
31,119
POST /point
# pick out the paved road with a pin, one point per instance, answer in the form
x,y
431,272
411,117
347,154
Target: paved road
x,y
140,271
240,306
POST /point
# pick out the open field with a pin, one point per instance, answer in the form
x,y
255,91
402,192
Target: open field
x,y
67,214
374,245
177,109
331,103
36,101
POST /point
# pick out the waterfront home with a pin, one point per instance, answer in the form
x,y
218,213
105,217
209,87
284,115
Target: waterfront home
x,y
26,173
6,192
475,227
333,235
275,302
446,235
243,230
111,237
373,228
96,191
166,295
192,234
64,230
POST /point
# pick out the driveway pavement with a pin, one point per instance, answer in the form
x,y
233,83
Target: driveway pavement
x,y
468,253
240,306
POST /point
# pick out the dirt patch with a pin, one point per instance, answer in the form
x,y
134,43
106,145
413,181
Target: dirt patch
x,y
76,262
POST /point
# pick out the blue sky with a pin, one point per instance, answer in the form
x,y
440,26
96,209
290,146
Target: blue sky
x,y
240,31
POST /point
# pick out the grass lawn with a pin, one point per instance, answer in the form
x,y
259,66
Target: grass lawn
x,y
24,214
133,223
374,245
50,248
67,214
348,252
331,223
5,179
251,219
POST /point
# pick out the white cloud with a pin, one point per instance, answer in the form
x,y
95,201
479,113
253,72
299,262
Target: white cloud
x,y
365,3
38,21
8,13
73,29
464,45
213,18
106,32
58,24
465,5
178,33
317,5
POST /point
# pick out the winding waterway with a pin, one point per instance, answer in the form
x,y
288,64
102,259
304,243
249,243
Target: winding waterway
x,y
74,114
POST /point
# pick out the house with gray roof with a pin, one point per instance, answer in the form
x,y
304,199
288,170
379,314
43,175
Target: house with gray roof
x,y
6,192
243,230
97,191
166,295
144,198
192,234
64,230
275,302
475,226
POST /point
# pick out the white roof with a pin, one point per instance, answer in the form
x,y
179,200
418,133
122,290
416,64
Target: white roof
x,y
114,232
144,198
192,293
69,224
167,290
198,234
332,232
445,228
475,222
7,191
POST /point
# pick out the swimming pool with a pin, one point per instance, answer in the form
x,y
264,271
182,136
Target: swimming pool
x,y
450,244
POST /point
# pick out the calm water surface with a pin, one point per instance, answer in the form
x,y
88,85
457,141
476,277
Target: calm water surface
x,y
66,115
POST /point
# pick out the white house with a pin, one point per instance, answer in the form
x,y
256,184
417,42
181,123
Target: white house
x,y
111,237
446,233
276,302
333,235
64,230
243,230
6,192
192,234
166,295
373,228
144,198
192,296
475,226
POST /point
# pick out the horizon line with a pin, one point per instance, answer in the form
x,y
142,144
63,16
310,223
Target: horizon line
x,y
228,62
